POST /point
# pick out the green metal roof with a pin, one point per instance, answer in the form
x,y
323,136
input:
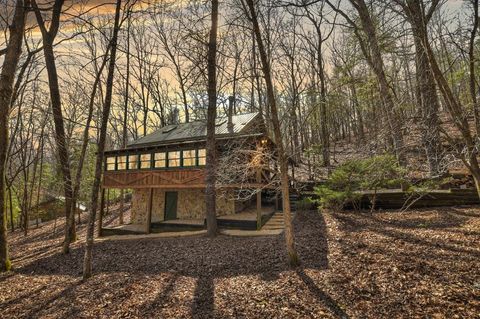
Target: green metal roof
x,y
197,130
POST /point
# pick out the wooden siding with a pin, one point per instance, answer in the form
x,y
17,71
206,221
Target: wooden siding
x,y
179,178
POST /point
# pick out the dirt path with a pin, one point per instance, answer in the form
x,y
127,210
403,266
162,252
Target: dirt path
x,y
382,265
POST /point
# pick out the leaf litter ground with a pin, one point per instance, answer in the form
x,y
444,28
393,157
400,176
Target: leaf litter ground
x,y
416,264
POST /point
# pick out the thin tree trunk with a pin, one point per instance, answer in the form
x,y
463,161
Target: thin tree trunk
x,y
325,138
471,65
289,237
87,261
125,113
12,224
184,99
210,179
81,161
40,177
7,77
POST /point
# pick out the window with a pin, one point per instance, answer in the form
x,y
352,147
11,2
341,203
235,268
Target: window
x,y
174,159
132,161
160,160
202,157
121,162
189,158
111,163
145,160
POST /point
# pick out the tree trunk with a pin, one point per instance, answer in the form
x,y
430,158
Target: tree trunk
x,y
81,161
125,112
40,177
48,37
7,76
324,136
429,108
471,66
10,199
289,237
426,88
374,58
469,150
87,262
210,179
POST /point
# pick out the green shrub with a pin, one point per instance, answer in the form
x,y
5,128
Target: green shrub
x,y
382,171
305,204
333,199
348,180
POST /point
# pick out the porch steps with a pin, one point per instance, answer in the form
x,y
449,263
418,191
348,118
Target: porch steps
x,y
276,222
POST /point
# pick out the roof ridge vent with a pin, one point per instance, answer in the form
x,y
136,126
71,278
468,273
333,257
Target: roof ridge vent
x,y
169,129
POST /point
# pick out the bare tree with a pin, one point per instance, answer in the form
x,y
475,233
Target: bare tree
x,y
48,36
289,237
87,262
465,148
426,88
210,191
471,65
7,77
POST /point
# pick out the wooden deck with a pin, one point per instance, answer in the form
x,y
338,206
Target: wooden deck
x,y
246,220
396,198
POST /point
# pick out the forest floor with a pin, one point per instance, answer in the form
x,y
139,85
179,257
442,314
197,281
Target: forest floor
x,y
417,264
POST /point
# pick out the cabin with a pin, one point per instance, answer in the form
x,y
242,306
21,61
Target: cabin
x,y
166,172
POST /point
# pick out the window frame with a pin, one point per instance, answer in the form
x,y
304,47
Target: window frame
x,y
164,159
118,162
194,158
114,163
179,159
198,157
146,161
128,162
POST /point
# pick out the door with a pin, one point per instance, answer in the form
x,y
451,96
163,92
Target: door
x,y
171,205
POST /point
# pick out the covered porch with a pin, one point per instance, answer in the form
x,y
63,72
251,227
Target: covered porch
x,y
245,220
173,200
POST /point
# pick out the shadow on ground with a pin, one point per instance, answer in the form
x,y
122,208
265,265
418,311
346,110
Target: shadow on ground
x,y
201,258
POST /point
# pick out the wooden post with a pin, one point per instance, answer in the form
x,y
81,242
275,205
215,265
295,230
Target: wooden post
x,y
259,200
100,215
276,201
149,211
293,175
108,201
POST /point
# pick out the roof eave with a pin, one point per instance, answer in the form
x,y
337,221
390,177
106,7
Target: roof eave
x,y
146,146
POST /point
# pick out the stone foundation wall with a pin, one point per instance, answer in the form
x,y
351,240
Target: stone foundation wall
x,y
158,205
139,206
190,204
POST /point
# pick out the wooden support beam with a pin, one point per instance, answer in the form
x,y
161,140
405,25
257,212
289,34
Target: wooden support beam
x,y
100,215
276,202
201,186
149,211
108,202
259,200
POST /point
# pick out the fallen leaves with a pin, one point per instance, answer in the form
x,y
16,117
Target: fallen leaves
x,y
382,265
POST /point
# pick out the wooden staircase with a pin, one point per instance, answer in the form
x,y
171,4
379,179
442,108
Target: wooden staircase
x,y
276,222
